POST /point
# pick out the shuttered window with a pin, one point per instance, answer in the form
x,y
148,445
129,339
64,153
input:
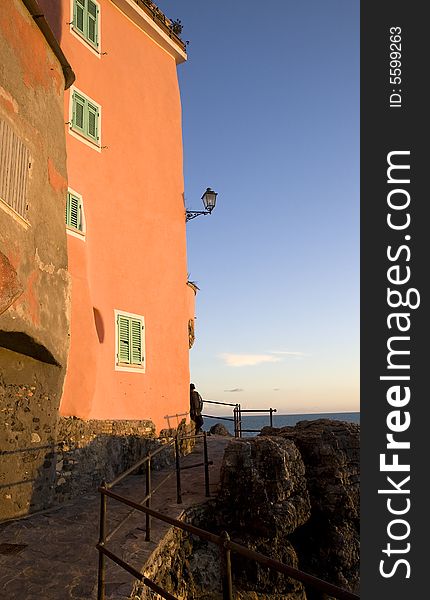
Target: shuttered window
x,y
14,169
74,212
130,341
85,117
86,20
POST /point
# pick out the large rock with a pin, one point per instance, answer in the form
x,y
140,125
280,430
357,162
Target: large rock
x,y
328,544
263,499
263,487
219,429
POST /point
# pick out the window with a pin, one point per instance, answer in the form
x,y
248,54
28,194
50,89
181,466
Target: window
x,y
74,212
14,170
85,117
86,20
130,341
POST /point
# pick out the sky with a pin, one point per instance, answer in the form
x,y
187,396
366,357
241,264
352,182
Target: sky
x,y
270,101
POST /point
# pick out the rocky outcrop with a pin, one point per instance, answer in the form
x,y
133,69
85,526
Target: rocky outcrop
x,y
263,499
219,429
328,544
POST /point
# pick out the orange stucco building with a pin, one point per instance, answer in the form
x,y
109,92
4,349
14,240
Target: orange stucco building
x,y
125,214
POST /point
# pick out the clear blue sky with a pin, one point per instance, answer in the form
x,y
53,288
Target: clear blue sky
x,y
270,98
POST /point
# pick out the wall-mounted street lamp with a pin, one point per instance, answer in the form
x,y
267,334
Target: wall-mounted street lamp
x,y
209,201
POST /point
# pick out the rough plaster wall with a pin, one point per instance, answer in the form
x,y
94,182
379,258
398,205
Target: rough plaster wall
x,y
34,329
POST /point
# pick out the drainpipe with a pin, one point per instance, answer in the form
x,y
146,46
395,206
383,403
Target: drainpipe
x,y
39,18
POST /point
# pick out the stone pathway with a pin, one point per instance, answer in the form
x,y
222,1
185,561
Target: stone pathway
x,y
53,554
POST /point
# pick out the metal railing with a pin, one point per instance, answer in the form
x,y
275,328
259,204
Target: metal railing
x,y
145,504
238,411
226,547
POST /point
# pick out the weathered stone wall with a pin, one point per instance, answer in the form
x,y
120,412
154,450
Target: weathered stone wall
x,y
60,463
34,322
88,452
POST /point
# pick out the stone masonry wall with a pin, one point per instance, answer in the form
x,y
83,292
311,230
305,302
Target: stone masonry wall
x,y
69,459
89,452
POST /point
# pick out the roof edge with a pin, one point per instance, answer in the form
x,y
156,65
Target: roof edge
x,y
39,18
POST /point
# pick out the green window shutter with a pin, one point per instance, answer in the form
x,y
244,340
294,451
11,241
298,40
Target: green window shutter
x,y
92,121
136,342
79,105
78,15
92,22
123,340
74,212
85,117
68,209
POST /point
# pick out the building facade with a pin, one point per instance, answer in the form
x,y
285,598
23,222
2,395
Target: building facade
x,y
34,279
125,215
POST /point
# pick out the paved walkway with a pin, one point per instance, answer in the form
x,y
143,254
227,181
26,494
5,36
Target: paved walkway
x,y
55,556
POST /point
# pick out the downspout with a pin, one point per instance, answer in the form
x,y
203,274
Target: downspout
x,y
39,18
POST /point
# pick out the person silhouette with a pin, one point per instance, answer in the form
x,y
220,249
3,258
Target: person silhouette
x,y
196,406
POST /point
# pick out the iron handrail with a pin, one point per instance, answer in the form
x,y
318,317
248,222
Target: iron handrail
x,y
225,543
148,582
104,537
258,410
215,402
217,417
147,497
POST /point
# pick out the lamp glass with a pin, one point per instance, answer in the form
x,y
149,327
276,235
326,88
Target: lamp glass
x,y
209,199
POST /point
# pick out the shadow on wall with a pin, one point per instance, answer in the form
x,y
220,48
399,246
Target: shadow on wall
x,y
30,392
53,12
47,466
59,472
98,321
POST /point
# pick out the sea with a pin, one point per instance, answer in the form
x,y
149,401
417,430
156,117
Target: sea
x,y
257,422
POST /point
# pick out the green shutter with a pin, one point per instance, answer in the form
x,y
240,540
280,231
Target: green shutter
x,y
130,336
92,121
85,117
68,209
92,18
79,105
136,342
123,339
74,212
78,15
86,20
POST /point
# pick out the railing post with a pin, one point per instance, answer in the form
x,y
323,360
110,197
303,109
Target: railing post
x,y
227,584
178,472
235,421
240,421
102,536
271,417
148,500
206,459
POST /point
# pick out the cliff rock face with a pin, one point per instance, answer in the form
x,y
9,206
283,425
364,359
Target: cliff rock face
x,y
262,500
328,544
